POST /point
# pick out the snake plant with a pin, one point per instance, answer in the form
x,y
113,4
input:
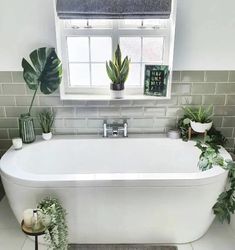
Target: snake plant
x,y
118,69
44,72
46,120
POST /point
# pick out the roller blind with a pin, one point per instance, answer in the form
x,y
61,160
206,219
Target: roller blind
x,y
113,9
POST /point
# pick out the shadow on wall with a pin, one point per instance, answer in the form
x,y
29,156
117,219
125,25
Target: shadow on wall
x,y
2,192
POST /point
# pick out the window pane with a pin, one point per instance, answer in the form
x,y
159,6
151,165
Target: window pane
x,y
78,49
79,74
101,49
134,74
152,49
131,47
99,75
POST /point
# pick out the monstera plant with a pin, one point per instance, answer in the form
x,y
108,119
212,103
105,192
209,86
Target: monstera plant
x,y
44,73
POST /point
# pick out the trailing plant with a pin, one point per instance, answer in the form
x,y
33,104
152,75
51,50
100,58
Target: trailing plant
x,y
46,120
225,205
57,230
199,114
117,69
44,72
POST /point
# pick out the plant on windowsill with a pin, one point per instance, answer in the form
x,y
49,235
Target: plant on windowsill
x,y
118,71
46,120
199,118
45,73
54,219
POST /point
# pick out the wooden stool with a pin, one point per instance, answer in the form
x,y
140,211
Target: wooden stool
x,y
191,131
31,232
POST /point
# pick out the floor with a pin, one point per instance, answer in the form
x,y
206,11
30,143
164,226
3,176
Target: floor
x,y
219,237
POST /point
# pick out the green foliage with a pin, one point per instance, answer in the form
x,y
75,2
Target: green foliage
x,y
117,69
46,120
198,114
225,205
44,72
57,230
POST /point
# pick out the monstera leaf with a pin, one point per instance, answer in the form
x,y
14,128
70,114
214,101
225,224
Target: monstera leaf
x,y
44,72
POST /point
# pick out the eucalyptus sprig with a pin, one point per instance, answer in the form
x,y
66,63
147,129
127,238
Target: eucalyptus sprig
x,y
57,230
225,205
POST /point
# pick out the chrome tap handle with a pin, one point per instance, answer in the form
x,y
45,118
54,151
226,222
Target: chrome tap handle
x,y
105,129
125,129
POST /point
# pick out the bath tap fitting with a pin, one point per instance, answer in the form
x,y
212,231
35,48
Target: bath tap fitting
x,y
115,129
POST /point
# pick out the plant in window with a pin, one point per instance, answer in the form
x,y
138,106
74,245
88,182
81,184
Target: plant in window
x,y
199,118
45,73
118,71
46,120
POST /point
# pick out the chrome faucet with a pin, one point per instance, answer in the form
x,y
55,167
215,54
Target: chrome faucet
x,y
115,129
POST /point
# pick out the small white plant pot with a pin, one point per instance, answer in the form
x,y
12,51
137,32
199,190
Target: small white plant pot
x,y
200,127
117,94
47,136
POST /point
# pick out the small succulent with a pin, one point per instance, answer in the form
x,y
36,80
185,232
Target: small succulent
x,y
46,120
198,114
117,69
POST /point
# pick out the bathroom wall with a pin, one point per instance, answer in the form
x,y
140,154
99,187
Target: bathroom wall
x,y
150,116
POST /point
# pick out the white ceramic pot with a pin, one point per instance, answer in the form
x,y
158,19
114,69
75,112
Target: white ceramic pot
x,y
47,136
200,127
117,94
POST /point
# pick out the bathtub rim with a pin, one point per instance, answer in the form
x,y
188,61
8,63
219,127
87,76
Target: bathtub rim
x,y
24,178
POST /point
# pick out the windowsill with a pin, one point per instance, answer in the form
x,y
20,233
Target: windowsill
x,y
108,97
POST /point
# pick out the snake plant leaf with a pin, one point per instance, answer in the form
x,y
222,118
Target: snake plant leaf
x,y
118,57
45,71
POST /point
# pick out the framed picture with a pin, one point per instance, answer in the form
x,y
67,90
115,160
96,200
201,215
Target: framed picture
x,y
156,80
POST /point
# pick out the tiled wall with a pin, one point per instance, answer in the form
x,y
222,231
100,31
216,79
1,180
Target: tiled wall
x,y
195,87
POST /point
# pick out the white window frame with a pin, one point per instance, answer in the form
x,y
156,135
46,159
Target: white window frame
x,y
102,93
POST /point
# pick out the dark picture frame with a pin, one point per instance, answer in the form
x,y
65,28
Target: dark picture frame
x,y
156,80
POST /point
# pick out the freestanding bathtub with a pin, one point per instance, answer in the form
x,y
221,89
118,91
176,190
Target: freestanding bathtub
x,y
127,190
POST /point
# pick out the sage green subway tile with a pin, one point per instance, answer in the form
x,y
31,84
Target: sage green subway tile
x,y
7,101
1,91
64,131
13,132
8,123
5,77
15,111
26,100
224,110
5,144
213,99
75,123
190,100
88,112
165,122
120,103
232,76
109,112
95,123
96,103
174,112
225,88
192,76
141,123
58,123
229,122
64,112
227,132
17,76
203,88
144,103
39,93
76,103
37,109
176,76
168,102
13,89
181,88
3,134
132,112
155,130
217,76
217,121
230,100
230,143
50,101
2,112
154,112
87,131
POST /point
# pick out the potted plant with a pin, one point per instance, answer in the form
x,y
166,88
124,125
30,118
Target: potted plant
x,y
117,71
44,73
46,119
199,118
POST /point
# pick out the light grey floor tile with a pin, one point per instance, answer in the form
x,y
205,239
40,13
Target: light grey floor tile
x,y
11,239
29,245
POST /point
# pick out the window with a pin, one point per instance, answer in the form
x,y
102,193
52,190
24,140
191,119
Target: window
x,y
87,44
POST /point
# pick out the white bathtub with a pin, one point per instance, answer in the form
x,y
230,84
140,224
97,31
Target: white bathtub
x,y
132,190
